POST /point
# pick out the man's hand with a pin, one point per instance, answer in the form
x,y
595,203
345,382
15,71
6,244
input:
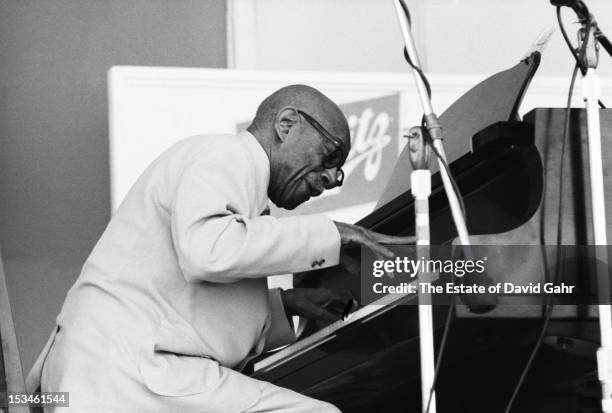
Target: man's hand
x,y
354,235
315,303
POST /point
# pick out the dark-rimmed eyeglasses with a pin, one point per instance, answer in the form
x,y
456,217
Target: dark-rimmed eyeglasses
x,y
335,158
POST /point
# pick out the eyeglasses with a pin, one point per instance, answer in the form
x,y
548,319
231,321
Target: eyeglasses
x,y
335,158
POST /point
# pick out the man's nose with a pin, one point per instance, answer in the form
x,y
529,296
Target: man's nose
x,y
329,178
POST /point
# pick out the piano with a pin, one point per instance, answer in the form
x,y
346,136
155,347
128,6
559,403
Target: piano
x,y
509,178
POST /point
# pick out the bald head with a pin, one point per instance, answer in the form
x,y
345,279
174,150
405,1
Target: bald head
x,y
307,99
307,140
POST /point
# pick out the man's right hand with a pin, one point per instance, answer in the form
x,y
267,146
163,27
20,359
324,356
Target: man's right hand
x,y
354,235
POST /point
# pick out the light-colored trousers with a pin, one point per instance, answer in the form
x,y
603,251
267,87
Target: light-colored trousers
x,y
103,376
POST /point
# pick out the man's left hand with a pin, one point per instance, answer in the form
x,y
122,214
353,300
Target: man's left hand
x,y
316,303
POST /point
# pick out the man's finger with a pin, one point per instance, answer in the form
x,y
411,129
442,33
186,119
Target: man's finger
x,y
378,249
393,239
342,295
372,240
320,313
340,298
333,300
345,306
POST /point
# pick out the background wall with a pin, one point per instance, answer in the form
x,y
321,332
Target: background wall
x,y
54,174
454,36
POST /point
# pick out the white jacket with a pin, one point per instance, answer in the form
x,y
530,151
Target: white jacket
x,y
182,266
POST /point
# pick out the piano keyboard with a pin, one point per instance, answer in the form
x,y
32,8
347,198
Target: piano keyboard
x,y
363,314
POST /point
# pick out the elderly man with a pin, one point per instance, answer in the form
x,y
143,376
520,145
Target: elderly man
x,y
173,300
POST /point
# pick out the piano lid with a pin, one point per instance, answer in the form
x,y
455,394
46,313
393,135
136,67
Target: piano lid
x,y
495,99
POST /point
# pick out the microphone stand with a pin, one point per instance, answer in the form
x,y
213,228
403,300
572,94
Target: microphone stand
x,y
420,185
591,91
421,188
433,125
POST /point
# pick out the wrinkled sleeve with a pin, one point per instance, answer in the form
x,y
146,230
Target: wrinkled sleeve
x,y
217,238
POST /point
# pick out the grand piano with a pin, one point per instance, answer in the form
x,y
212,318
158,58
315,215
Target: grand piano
x,y
510,180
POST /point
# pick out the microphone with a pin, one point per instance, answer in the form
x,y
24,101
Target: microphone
x,y
583,15
577,5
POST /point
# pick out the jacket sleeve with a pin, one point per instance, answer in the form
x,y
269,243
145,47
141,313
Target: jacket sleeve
x,y
219,237
280,331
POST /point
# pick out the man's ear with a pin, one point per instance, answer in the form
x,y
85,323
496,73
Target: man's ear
x,y
285,119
